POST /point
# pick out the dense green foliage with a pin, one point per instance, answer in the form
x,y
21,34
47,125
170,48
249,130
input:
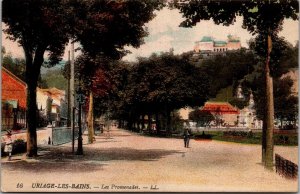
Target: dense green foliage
x,y
261,18
42,25
14,65
38,26
203,118
226,70
258,16
156,86
285,104
105,27
54,78
17,67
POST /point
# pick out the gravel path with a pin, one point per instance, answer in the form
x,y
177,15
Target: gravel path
x,y
125,161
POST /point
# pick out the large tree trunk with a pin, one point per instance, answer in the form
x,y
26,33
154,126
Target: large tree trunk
x,y
138,123
143,122
120,123
270,112
129,123
149,123
269,124
32,73
168,122
91,119
157,123
31,119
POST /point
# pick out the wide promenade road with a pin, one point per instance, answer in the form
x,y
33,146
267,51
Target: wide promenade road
x,y
125,161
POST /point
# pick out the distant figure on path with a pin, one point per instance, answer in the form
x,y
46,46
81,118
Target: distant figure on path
x,y
8,145
186,137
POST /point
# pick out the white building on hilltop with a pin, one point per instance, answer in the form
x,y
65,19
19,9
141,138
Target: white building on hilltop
x,y
209,44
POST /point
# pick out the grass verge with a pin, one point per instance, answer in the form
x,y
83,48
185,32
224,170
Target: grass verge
x,y
253,138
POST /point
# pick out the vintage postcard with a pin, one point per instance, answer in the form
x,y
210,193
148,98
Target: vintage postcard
x,y
149,96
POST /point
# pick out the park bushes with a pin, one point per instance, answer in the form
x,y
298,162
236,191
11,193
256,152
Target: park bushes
x,y
250,137
243,134
285,140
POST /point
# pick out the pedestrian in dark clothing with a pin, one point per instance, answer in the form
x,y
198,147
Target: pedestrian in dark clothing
x,y
186,137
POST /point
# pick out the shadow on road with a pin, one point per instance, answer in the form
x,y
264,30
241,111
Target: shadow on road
x,y
51,166
60,159
129,154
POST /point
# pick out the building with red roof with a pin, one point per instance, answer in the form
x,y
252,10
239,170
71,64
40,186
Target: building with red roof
x,y
225,113
13,89
13,101
220,108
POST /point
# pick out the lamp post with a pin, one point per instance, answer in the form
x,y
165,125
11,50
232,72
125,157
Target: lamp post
x,y
80,99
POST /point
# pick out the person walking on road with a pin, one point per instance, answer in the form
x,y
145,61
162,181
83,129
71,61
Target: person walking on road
x,y
186,137
8,145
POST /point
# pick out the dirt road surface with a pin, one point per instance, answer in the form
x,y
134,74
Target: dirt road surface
x,y
125,161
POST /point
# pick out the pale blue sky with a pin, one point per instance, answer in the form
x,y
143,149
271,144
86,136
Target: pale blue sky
x,y
165,33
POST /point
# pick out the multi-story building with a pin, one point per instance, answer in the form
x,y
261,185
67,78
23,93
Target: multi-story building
x,y
209,44
51,102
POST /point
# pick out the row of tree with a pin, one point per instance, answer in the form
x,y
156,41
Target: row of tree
x,y
156,86
104,27
140,89
47,26
261,18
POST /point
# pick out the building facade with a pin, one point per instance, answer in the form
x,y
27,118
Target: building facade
x,y
13,101
225,114
209,44
13,88
247,117
52,104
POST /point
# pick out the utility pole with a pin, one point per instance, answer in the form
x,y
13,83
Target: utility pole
x,y
68,92
72,81
80,99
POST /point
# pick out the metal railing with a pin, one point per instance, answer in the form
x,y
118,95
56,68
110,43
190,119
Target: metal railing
x,y
285,167
62,135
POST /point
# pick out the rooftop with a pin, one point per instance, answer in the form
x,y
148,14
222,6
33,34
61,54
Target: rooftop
x,y
53,92
220,107
206,39
230,38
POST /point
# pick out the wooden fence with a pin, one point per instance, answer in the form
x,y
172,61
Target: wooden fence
x,y
285,167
